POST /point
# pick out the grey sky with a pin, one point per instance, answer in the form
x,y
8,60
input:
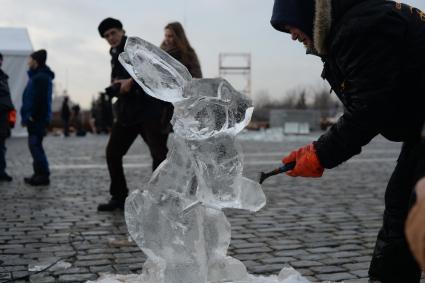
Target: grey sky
x,y
80,58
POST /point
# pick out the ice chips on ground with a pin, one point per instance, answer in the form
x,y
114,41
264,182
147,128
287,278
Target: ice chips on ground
x,y
287,275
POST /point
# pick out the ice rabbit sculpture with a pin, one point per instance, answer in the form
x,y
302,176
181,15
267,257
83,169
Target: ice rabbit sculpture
x,y
176,218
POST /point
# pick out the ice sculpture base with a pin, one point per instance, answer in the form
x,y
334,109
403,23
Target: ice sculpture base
x,y
108,278
287,275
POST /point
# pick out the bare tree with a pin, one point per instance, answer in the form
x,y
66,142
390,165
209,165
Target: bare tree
x,y
262,98
326,102
301,101
323,102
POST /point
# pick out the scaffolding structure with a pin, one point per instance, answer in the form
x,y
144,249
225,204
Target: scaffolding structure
x,y
231,65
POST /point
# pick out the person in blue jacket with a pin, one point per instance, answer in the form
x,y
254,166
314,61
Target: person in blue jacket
x,y
36,113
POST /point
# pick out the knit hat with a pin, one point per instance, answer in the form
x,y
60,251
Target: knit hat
x,y
40,56
108,23
296,13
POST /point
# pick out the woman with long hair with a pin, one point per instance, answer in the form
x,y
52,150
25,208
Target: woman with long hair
x,y
177,45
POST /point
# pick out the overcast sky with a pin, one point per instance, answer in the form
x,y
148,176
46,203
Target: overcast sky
x,y
80,58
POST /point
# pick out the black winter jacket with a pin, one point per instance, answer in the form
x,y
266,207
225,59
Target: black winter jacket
x,y
373,53
5,99
5,105
135,107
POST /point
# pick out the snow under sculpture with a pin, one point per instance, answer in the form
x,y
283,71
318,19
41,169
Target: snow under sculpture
x,y
177,218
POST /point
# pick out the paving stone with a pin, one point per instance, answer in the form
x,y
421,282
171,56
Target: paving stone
x,y
305,263
42,279
286,247
327,269
321,250
337,261
246,245
267,268
364,273
89,263
346,254
277,260
316,257
335,276
76,277
95,256
293,253
253,256
102,269
305,272
357,266
129,260
253,250
19,274
5,275
72,270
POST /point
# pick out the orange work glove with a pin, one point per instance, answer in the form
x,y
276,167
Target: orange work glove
x,y
307,163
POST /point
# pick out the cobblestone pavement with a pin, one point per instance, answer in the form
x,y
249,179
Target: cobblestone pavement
x,y
325,228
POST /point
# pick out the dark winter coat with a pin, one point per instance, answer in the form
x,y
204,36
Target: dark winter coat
x,y
5,105
37,97
65,111
373,53
191,63
135,107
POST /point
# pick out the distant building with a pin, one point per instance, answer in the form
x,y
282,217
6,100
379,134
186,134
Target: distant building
x,y
295,121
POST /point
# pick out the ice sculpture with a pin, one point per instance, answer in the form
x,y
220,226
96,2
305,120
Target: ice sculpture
x,y
176,218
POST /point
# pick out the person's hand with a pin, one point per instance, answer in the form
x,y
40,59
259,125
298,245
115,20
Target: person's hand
x,y
420,189
126,85
414,228
307,163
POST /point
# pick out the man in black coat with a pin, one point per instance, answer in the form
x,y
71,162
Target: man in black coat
x,y
6,107
136,114
65,115
373,54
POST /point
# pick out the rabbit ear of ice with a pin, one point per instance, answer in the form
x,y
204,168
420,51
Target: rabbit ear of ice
x,y
159,74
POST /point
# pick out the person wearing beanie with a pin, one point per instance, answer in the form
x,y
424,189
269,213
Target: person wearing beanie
x,y
6,107
136,114
373,60
36,114
40,57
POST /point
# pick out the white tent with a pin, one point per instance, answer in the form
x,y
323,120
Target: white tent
x,y
16,47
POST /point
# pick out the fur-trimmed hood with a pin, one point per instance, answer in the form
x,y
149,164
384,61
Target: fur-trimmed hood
x,y
322,25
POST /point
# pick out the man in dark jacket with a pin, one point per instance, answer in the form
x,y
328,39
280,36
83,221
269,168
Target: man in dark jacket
x,y
6,107
137,114
65,115
36,113
373,59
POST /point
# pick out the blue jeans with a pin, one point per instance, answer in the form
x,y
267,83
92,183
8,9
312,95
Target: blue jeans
x,y
36,133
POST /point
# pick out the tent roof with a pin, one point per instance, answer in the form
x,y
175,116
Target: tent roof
x,y
16,41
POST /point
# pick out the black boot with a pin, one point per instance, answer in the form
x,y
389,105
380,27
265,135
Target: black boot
x,y
5,178
37,180
112,205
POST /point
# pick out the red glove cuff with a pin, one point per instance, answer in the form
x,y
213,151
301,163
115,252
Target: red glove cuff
x,y
307,162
